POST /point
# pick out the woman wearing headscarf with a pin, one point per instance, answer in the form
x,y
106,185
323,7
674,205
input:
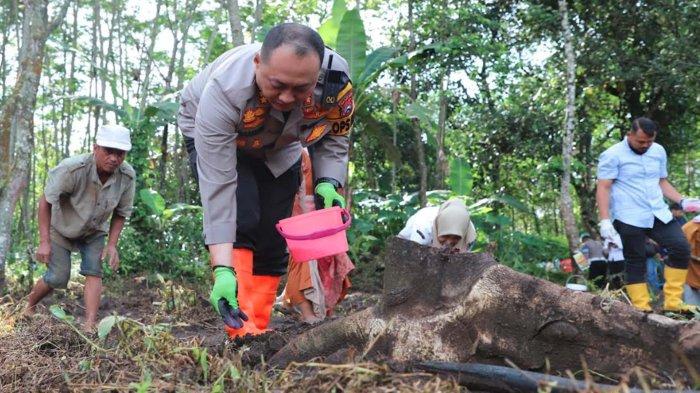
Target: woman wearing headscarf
x,y
446,226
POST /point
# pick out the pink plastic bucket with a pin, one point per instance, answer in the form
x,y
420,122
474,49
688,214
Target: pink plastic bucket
x,y
318,234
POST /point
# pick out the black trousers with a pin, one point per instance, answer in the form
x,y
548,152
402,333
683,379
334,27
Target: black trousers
x,y
598,273
616,271
610,272
192,157
668,235
262,200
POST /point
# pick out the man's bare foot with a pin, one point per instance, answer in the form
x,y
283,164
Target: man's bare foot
x,y
29,311
89,327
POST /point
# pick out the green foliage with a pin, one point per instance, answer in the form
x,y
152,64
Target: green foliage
x,y
164,239
498,66
377,219
461,179
144,385
105,326
329,29
352,42
201,357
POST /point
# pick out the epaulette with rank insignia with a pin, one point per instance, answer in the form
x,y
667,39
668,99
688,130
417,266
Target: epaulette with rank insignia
x,y
334,82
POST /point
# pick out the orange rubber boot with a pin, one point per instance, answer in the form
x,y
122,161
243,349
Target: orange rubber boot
x,y
243,265
263,295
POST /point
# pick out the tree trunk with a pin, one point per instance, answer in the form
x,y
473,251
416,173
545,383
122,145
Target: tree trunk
x,y
180,33
7,26
418,133
68,103
395,96
143,89
442,164
16,116
567,203
121,72
67,131
210,47
469,308
96,61
234,20
257,20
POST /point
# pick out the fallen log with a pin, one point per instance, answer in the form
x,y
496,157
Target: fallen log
x,y
469,308
499,379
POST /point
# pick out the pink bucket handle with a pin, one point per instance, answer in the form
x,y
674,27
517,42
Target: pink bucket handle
x,y
319,234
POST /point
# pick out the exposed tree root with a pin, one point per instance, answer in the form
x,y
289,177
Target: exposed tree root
x,y
469,308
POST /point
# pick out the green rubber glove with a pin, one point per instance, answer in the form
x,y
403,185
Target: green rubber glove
x,y
223,297
328,194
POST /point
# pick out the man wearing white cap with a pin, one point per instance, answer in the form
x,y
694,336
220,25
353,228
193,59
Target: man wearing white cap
x,y
87,198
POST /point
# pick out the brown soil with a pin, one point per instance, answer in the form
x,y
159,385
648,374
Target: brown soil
x,y
171,340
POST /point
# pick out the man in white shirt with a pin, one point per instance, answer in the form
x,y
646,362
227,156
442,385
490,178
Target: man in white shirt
x,y
632,184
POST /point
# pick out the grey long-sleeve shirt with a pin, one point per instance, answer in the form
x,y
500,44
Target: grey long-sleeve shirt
x,y
223,110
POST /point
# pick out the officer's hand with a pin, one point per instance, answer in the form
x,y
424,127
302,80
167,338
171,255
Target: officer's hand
x,y
328,196
223,297
607,230
43,252
690,205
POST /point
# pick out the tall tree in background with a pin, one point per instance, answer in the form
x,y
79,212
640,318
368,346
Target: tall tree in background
x,y
234,20
148,55
420,150
16,115
567,203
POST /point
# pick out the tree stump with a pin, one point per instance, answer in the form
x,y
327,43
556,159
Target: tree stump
x,y
469,308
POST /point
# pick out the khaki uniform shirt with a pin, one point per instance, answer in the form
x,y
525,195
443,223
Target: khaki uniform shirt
x,y
223,110
81,206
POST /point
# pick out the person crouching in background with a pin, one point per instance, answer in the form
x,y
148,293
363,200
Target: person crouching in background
x,y
447,226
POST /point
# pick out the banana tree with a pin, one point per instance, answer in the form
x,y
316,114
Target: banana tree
x,y
345,32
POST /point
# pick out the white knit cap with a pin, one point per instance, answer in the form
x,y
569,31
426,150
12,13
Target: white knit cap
x,y
114,136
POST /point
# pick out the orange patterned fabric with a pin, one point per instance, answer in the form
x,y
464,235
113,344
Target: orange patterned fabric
x,y
692,233
333,271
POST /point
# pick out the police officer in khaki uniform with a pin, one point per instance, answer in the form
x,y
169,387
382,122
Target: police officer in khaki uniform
x,y
246,118
87,198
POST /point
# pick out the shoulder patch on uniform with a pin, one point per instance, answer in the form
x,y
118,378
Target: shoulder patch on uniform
x,y
345,104
317,132
253,118
312,110
341,127
127,169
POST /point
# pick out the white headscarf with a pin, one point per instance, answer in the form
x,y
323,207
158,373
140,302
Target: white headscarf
x,y
453,219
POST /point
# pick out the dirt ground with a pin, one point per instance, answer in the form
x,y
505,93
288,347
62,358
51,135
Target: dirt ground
x,y
167,338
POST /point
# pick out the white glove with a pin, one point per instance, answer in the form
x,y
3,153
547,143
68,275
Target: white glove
x,y
607,230
616,240
697,218
690,205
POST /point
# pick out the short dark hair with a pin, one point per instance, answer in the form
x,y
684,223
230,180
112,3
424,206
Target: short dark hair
x,y
645,124
675,206
302,38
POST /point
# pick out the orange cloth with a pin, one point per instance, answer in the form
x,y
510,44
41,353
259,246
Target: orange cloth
x,y
298,281
332,281
692,233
